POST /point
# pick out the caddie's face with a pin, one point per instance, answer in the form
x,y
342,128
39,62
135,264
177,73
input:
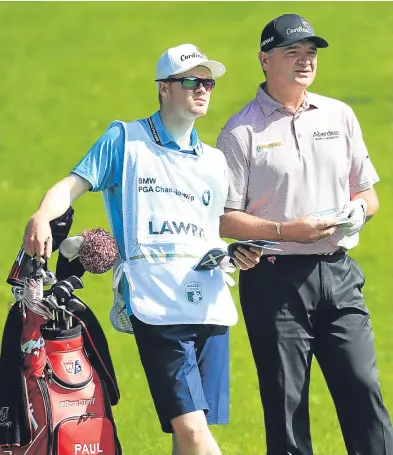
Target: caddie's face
x,y
291,65
187,102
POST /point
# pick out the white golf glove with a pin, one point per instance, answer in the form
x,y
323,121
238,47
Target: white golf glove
x,y
355,211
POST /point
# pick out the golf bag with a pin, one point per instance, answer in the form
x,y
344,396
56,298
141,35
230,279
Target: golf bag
x,y
57,381
64,403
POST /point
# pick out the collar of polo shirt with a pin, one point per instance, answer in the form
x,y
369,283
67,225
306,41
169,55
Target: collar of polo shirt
x,y
268,105
169,142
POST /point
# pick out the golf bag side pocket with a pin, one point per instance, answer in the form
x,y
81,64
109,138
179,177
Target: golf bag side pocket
x,y
87,434
67,362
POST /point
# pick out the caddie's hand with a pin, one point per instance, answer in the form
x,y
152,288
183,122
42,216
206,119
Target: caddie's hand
x,y
308,229
37,240
247,258
355,211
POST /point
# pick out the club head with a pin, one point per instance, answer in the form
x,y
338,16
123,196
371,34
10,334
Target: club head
x,y
64,283
61,291
75,304
51,302
211,259
49,278
75,281
68,285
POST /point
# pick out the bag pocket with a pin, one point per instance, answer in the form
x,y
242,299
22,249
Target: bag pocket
x,y
71,369
84,435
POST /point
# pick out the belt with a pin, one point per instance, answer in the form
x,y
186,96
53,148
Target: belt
x,y
341,250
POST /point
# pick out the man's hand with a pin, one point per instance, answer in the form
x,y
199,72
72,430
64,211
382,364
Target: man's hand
x,y
247,258
37,240
308,229
355,211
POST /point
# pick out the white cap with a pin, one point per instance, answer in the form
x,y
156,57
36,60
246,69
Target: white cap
x,y
180,59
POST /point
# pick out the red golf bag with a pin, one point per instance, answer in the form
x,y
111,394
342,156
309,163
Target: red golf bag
x,y
70,409
57,381
66,410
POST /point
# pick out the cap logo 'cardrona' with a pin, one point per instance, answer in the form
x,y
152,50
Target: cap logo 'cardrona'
x,y
306,28
193,55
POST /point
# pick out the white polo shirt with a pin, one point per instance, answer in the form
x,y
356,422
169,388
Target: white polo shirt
x,y
284,166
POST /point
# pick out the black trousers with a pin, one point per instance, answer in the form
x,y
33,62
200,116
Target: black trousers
x,y
296,307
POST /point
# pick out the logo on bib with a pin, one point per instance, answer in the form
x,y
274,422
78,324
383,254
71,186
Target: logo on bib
x,y
175,227
194,292
206,196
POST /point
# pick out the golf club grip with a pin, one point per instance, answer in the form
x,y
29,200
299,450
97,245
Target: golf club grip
x,y
21,268
36,267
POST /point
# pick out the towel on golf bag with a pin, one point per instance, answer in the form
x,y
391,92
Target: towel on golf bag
x,y
15,427
33,345
34,315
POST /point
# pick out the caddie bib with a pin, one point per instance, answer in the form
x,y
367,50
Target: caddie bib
x,y
172,202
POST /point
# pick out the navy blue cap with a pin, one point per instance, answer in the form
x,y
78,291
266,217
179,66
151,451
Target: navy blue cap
x,y
288,29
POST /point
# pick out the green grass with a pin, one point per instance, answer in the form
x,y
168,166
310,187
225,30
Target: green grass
x,y
69,69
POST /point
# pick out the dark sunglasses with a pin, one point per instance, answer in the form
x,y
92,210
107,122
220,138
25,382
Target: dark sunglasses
x,y
191,83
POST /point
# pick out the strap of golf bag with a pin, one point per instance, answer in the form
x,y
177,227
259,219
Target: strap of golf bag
x,y
100,365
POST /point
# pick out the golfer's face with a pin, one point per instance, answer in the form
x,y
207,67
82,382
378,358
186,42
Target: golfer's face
x,y
194,103
294,64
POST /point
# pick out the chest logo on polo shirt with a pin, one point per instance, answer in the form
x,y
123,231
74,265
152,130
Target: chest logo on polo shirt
x,y
329,134
271,145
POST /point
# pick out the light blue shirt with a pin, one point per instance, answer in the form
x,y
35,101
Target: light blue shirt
x,y
102,167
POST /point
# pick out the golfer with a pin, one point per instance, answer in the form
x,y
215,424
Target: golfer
x,y
298,166
165,192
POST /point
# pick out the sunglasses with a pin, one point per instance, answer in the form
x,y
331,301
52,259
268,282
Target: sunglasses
x,y
191,83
